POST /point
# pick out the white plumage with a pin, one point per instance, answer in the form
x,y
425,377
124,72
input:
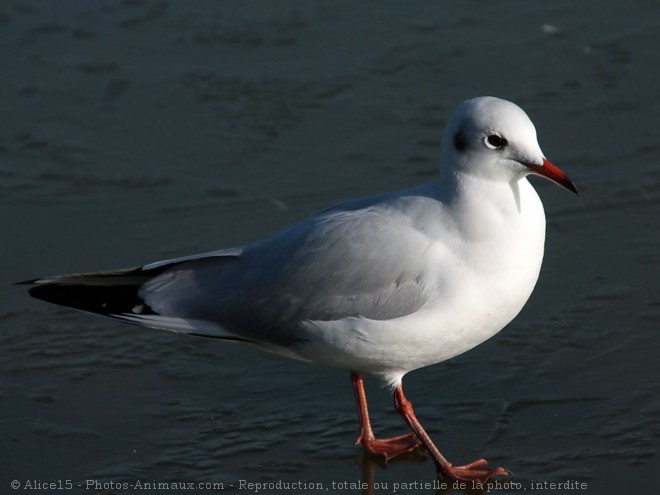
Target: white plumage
x,y
381,285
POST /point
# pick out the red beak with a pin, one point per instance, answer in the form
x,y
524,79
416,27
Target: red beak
x,y
552,172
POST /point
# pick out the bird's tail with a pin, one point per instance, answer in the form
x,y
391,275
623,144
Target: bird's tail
x,y
116,294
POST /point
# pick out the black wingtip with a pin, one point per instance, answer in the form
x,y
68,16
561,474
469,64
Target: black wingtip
x,y
103,300
55,294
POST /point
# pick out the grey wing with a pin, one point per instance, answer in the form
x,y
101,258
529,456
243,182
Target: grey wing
x,y
362,263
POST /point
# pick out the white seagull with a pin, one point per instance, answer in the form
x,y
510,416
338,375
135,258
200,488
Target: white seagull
x,y
381,285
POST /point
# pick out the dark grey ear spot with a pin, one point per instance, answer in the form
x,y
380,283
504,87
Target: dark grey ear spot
x,y
460,141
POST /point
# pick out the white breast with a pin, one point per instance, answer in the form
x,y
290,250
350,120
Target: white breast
x,y
482,275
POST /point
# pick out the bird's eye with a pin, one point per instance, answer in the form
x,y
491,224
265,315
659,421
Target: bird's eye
x,y
496,142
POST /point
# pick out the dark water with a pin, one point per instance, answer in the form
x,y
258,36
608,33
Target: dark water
x,y
137,130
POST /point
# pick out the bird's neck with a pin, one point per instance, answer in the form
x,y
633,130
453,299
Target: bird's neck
x,y
486,207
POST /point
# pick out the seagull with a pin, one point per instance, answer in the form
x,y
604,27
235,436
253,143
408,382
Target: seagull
x,y
379,286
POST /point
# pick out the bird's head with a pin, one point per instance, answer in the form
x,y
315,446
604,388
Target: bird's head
x,y
494,139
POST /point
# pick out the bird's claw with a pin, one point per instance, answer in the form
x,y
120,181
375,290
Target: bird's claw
x,y
387,448
477,473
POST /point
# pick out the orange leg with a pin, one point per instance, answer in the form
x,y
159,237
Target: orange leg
x,y
385,448
477,471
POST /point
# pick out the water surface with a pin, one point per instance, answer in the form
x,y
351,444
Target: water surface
x,y
139,130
